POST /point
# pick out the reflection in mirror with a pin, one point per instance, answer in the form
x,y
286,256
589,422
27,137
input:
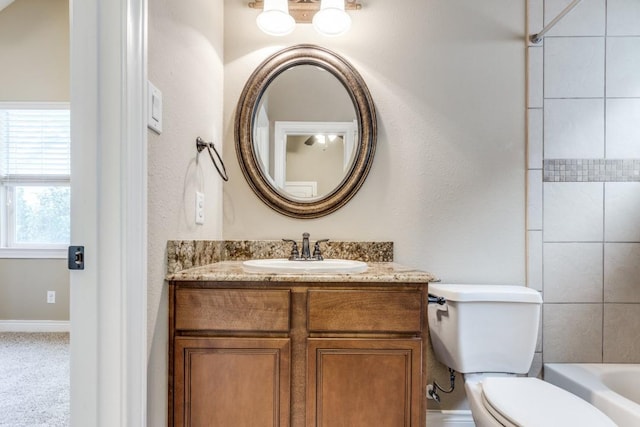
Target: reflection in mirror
x,y
313,164
305,131
304,100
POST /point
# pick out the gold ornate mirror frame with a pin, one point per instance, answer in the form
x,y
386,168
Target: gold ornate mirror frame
x,y
365,116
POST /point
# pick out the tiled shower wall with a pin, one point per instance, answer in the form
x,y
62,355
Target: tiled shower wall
x,y
584,179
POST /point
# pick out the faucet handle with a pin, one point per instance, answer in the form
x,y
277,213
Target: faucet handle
x,y
294,249
317,254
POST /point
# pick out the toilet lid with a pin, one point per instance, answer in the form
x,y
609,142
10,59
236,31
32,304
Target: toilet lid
x,y
530,402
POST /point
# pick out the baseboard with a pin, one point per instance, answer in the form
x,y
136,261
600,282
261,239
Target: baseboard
x,y
449,419
34,326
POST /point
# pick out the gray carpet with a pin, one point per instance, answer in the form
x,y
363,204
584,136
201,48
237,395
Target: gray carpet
x,y
34,379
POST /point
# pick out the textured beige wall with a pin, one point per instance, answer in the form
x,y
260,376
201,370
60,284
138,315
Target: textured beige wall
x,y
185,63
447,183
34,53
24,286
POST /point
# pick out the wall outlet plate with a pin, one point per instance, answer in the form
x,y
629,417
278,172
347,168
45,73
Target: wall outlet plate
x,y
199,207
51,297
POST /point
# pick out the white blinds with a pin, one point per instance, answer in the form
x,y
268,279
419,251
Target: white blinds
x,y
34,143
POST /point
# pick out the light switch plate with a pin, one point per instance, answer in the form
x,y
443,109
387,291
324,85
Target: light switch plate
x,y
154,107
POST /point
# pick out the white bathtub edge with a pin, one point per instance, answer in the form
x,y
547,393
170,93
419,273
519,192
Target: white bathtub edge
x,y
583,380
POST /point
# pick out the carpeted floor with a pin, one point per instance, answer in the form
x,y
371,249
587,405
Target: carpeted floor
x,y
34,379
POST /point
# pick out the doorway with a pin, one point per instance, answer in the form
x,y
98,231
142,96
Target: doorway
x,y
108,211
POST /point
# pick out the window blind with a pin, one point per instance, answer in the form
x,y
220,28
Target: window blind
x,y
34,142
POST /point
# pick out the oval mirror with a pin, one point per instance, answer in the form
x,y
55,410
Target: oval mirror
x,y
305,131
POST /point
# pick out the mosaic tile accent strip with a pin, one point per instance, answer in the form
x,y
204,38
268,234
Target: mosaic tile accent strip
x,y
591,170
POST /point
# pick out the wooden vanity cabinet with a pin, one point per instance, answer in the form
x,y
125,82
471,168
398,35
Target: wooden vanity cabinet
x,y
297,354
231,381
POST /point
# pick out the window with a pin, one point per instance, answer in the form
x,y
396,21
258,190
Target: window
x,y
34,179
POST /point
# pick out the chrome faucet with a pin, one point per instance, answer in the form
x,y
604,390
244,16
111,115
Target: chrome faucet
x,y
306,249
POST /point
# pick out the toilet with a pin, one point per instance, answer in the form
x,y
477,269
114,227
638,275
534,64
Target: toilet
x,y
488,333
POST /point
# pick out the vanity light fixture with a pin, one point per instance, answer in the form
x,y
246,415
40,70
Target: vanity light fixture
x,y
329,17
332,20
275,19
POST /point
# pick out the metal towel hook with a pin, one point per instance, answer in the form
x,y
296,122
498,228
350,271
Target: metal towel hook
x,y
201,145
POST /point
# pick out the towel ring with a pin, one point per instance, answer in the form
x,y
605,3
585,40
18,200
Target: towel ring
x,y
201,145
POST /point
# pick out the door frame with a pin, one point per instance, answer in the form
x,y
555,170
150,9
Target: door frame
x,y
108,209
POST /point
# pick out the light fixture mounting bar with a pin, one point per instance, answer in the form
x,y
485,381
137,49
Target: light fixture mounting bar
x,y
303,10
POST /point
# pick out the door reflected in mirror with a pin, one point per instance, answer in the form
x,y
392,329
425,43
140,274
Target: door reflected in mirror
x,y
314,164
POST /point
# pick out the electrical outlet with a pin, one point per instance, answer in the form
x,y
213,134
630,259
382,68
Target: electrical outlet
x,y
51,297
199,207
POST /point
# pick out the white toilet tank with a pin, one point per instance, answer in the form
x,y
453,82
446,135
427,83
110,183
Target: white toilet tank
x,y
485,328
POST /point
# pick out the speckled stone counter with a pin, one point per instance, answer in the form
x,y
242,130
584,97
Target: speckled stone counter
x,y
185,254
226,271
221,260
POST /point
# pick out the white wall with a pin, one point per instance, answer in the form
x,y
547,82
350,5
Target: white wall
x,y
447,184
185,63
584,186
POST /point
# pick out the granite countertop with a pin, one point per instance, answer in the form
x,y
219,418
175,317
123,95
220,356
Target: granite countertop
x,y
233,271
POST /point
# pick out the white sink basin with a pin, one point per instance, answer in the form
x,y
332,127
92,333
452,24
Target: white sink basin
x,y
283,265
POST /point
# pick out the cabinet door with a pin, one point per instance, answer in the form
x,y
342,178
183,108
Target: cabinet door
x,y
232,382
363,382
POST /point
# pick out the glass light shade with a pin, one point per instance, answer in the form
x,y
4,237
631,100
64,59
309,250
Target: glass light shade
x,y
332,20
5,3
275,19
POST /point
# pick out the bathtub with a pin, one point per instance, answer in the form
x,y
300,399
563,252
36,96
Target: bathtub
x,y
612,388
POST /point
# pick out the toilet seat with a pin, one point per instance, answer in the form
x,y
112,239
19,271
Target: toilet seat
x,y
530,402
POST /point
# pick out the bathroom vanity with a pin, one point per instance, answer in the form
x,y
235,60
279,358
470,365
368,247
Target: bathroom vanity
x,y
297,349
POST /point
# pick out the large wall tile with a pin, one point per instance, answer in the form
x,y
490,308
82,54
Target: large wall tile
x,y
622,272
587,255
623,17
621,326
573,211
534,260
536,366
573,272
539,340
574,67
534,199
586,19
534,138
572,333
623,63
622,212
573,128
535,77
623,132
